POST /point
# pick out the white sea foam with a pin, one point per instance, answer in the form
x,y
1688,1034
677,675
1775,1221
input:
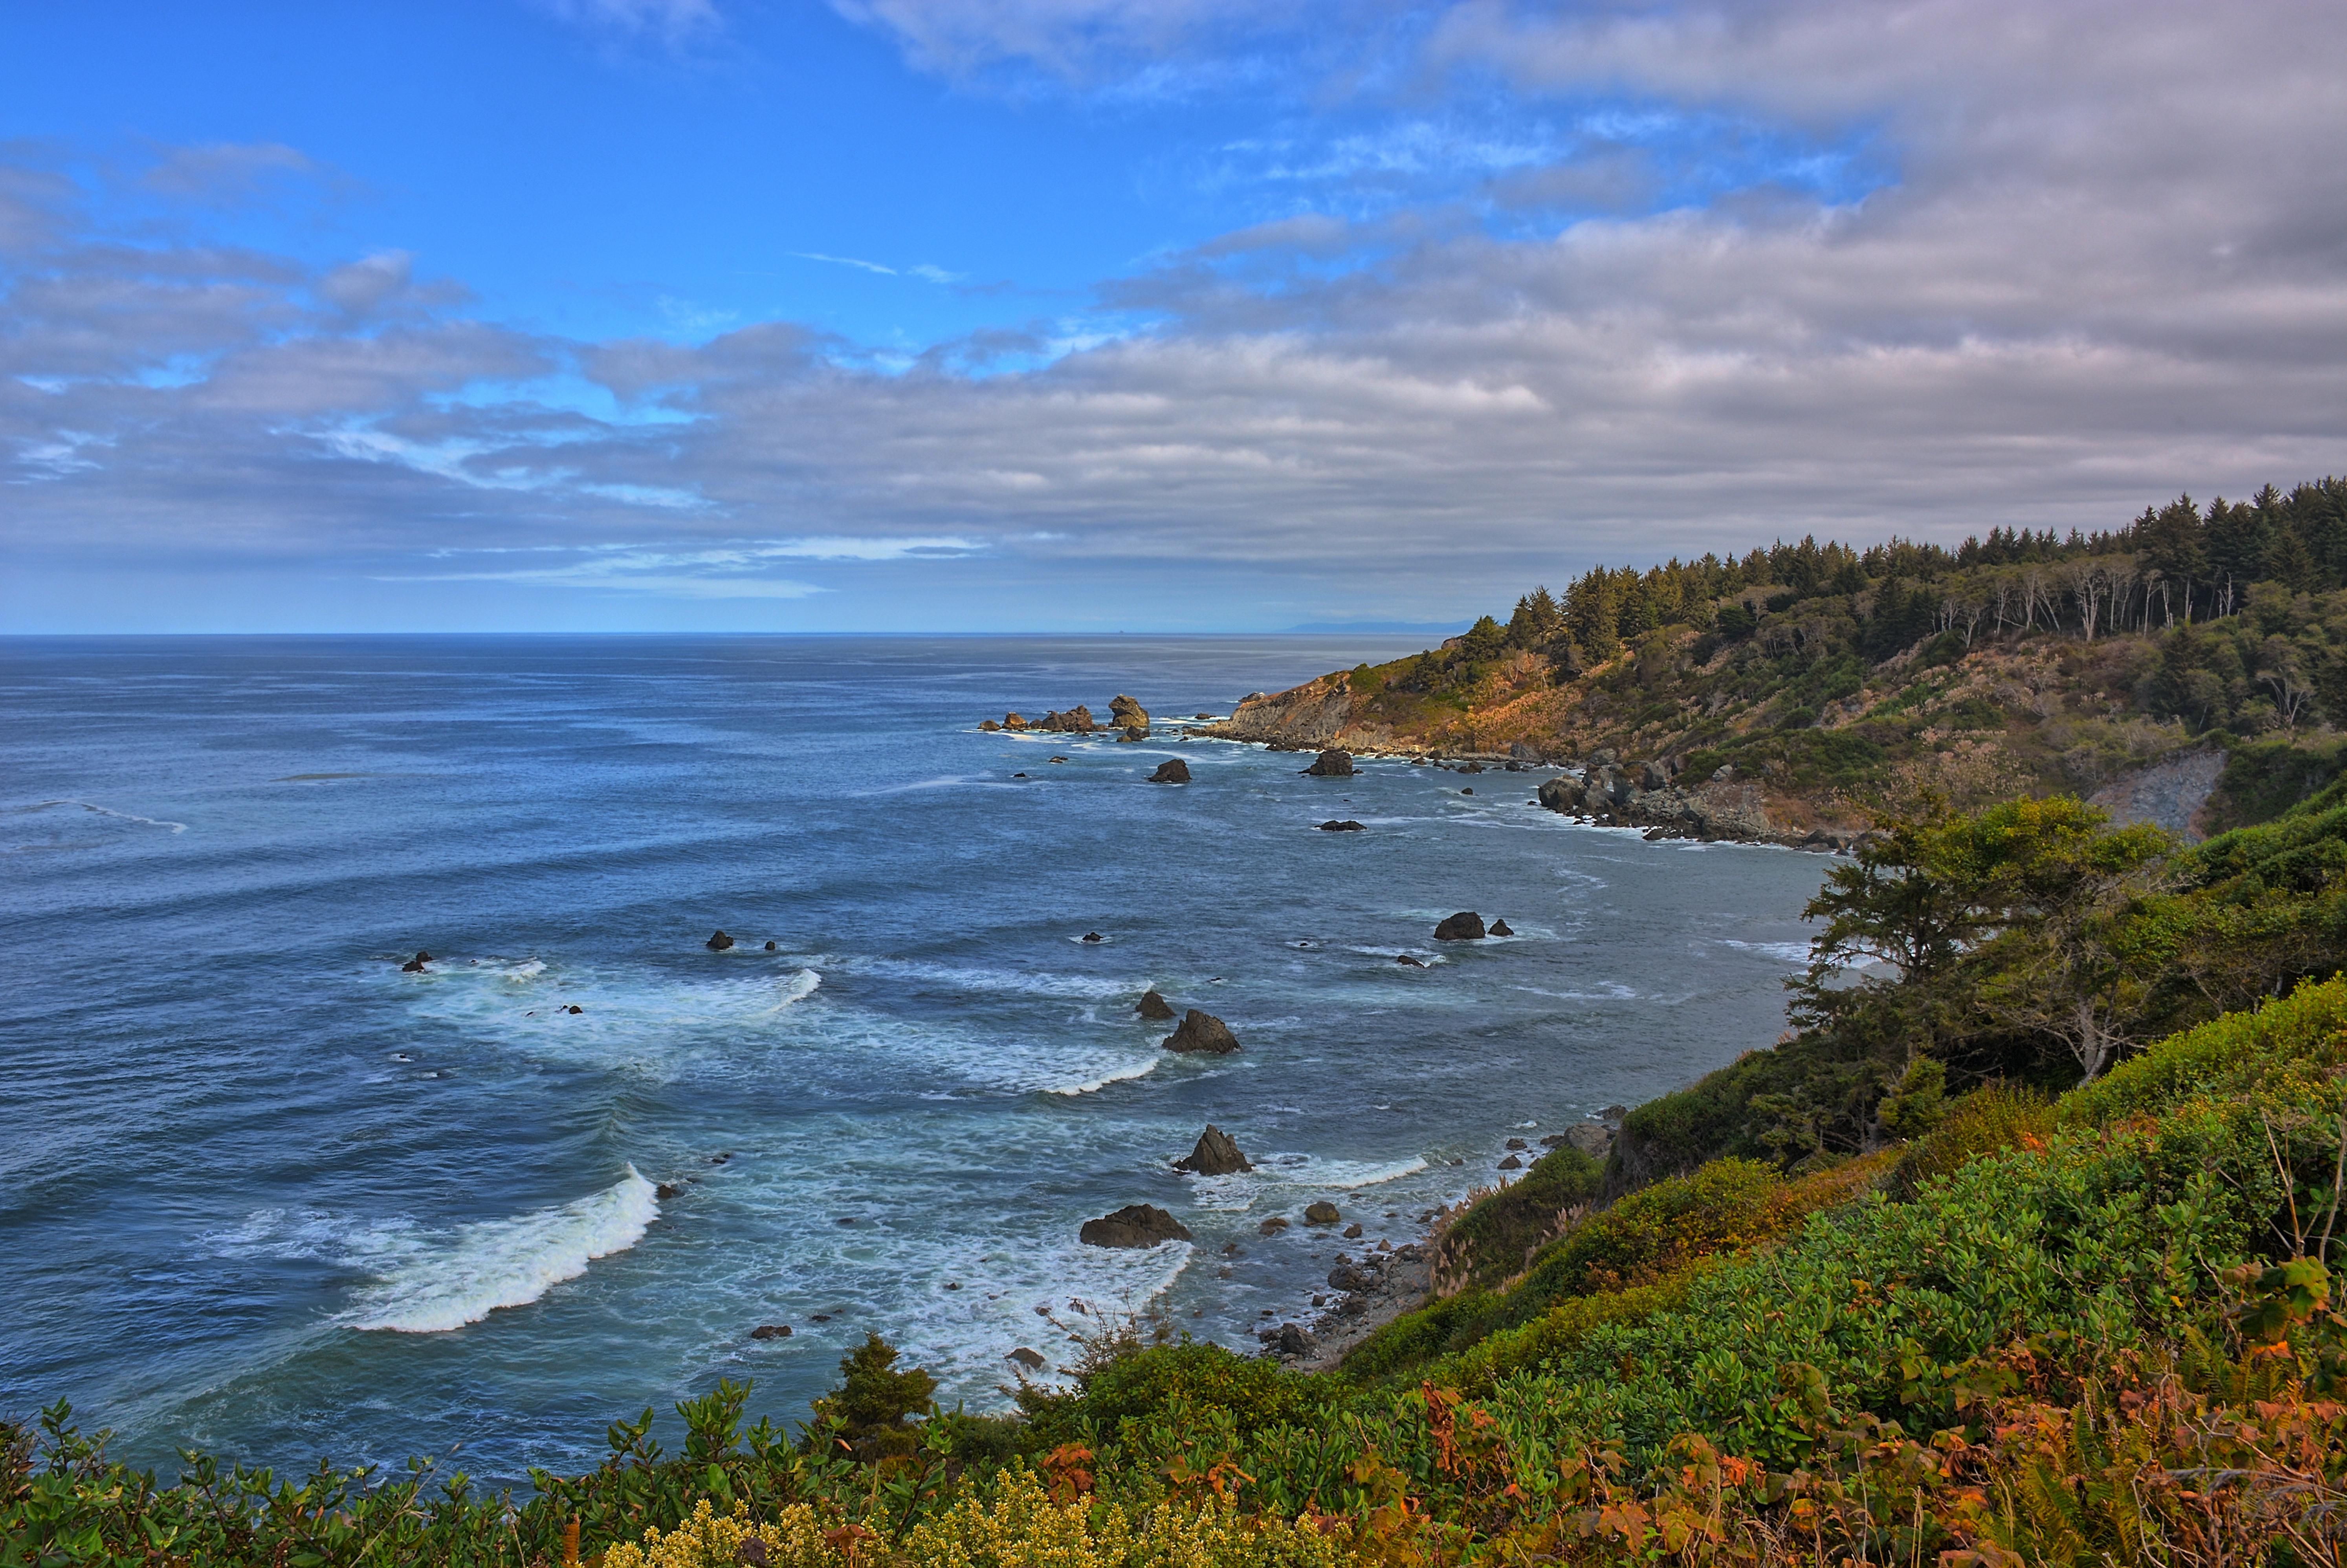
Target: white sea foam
x,y
796,987
491,1264
1795,952
107,811
1118,1075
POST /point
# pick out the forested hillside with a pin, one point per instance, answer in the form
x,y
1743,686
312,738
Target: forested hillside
x,y
1836,678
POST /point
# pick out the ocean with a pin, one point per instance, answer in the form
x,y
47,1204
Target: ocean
x,y
264,1192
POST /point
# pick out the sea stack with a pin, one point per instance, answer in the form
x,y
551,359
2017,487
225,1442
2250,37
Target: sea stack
x,y
1464,927
1201,1031
1217,1154
1135,1224
1332,765
1125,715
1153,1006
1172,770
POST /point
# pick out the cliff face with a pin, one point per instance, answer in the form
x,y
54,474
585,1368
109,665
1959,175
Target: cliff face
x,y
1311,716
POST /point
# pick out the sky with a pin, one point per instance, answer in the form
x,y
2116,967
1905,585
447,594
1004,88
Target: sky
x,y
1098,315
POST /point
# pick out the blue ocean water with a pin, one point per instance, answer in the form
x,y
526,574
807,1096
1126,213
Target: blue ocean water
x,y
262,1191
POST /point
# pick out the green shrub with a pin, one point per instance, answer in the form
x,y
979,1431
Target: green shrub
x,y
1493,1239
1980,1123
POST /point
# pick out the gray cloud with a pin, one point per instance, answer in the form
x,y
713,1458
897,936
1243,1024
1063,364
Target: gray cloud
x,y
2111,263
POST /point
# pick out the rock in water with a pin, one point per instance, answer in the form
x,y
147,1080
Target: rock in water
x,y
989,725
1172,770
771,1331
1464,927
1014,722
1152,1005
1332,765
1217,1154
1323,1213
1201,1031
1076,721
1026,1358
1094,937
1405,958
414,965
719,941
1135,1224
1124,713
1500,928
1345,825
1511,1164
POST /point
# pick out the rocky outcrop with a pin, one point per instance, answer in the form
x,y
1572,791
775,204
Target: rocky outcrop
x,y
1076,721
1332,765
1172,770
1217,1154
989,726
719,941
1345,825
1464,927
1129,716
1310,716
1135,1224
1201,1031
1153,1006
1563,794
1013,721
1323,1213
2170,794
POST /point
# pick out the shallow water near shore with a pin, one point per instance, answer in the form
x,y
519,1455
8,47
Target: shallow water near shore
x,y
263,1192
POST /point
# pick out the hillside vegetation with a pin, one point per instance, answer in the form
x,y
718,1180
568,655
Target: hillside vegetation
x,y
1836,678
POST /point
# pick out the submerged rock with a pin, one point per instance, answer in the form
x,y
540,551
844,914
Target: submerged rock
x,y
1405,958
1322,1213
1332,763
1274,1226
771,1331
414,965
1217,1154
1464,927
1135,1224
1345,824
1201,1031
719,941
1153,1006
1172,770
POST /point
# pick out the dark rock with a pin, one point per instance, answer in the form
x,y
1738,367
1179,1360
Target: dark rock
x,y
820,1318
1614,1115
1124,713
1351,1276
1511,1164
1274,1226
414,965
1013,721
1353,1231
666,1191
1153,1006
1468,791
1026,1358
1653,775
1201,1031
1323,1213
1094,937
1135,1224
1172,770
1473,768
719,941
1516,1143
1405,958
1217,1154
1654,835
989,725
574,1008
1464,927
1055,759
770,947
1332,765
771,1331
1076,721
1295,1341
1344,824
1019,775
1500,928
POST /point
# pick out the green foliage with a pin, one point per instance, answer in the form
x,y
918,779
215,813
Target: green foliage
x,y
1496,1238
1982,1123
870,1408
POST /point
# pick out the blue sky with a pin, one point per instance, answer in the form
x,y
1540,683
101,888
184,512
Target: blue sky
x,y
1081,314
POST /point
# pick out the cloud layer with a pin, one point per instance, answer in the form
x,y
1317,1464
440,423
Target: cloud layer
x,y
2102,256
